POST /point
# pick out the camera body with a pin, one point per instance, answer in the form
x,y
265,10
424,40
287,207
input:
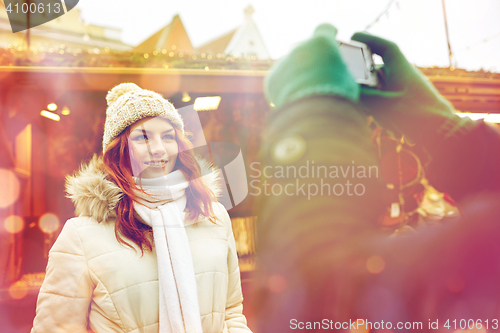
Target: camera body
x,y
358,58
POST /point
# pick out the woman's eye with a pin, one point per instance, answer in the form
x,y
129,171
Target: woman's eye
x,y
141,137
168,137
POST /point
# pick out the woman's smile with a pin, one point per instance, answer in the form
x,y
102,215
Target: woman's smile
x,y
156,164
155,148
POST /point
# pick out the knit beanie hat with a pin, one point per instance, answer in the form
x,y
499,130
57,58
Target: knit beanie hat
x,y
128,103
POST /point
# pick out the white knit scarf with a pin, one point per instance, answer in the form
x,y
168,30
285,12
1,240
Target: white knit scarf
x,y
179,309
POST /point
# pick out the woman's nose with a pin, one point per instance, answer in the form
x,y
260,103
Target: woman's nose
x,y
156,148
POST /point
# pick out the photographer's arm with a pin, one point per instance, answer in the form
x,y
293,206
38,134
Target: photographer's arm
x,y
312,236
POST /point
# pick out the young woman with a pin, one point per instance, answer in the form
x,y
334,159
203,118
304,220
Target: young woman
x,y
151,249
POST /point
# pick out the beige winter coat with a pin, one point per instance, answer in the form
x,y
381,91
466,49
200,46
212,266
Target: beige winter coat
x,y
94,282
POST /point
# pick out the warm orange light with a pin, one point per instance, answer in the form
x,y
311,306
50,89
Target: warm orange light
x,y
375,264
48,223
52,106
185,97
50,115
493,118
65,111
488,117
13,224
473,330
10,188
18,290
362,327
207,103
276,283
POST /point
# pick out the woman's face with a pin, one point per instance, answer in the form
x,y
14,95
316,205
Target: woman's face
x,y
155,147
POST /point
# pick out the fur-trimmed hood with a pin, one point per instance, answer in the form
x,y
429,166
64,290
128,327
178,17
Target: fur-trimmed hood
x,y
94,193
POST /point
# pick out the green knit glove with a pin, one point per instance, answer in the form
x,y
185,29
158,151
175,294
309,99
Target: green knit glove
x,y
315,67
408,103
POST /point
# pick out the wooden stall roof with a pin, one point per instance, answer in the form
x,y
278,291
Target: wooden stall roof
x,y
102,79
466,93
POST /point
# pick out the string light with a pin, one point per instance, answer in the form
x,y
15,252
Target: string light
x,y
483,42
385,11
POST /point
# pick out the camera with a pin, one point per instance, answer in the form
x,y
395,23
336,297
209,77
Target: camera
x,y
358,58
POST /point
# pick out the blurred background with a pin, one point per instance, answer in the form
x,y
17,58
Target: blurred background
x,y
215,55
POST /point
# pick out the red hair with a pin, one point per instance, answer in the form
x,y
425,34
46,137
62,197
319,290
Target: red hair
x,y
117,162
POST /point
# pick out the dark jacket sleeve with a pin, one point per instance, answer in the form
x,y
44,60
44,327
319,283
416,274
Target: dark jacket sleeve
x,y
468,164
321,222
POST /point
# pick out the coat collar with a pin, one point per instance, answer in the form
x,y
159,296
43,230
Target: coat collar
x,y
94,193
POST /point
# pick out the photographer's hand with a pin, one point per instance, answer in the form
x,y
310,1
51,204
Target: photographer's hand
x,y
408,103
464,153
315,67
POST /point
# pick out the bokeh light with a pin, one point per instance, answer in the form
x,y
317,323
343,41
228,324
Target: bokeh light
x,y
65,111
472,330
375,264
13,224
10,188
185,97
52,106
276,283
18,290
48,223
361,327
